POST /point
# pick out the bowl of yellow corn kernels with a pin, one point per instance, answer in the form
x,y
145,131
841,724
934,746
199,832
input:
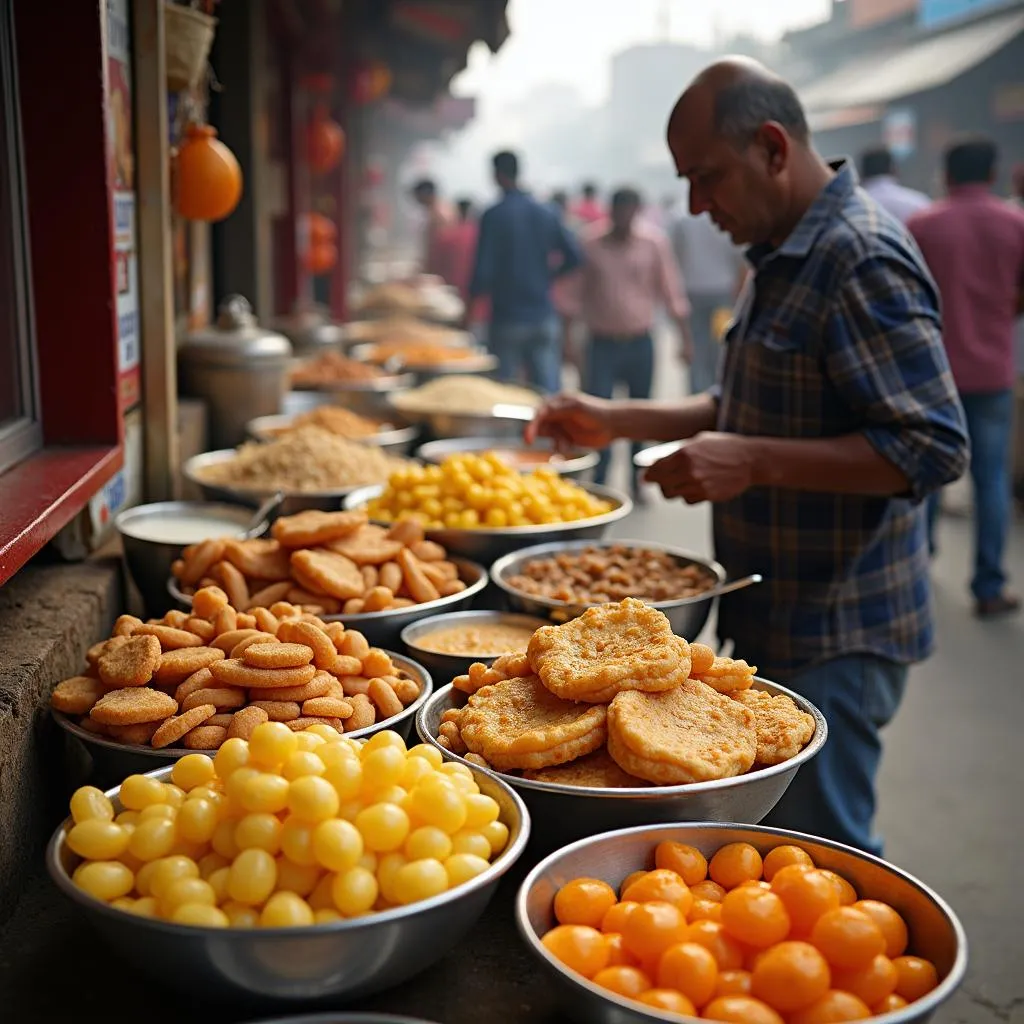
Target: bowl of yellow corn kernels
x,y
290,866
481,507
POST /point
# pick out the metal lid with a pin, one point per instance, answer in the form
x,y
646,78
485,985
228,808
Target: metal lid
x,y
310,329
235,338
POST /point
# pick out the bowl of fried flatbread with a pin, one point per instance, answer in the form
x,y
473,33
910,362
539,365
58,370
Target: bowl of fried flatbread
x,y
610,721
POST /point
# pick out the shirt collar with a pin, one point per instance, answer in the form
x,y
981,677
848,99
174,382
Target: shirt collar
x,y
971,191
802,238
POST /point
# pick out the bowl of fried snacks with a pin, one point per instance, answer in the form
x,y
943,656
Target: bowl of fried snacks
x,y
841,935
332,916
156,690
611,720
335,419
312,467
339,566
561,581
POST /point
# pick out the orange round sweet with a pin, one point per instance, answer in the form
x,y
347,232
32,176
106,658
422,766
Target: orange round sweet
x,y
916,977
735,863
832,1008
634,876
689,968
871,983
651,928
708,890
686,861
705,910
893,927
666,999
581,949
785,856
741,1010
847,938
847,893
618,955
790,976
623,981
806,895
728,953
889,1005
755,916
733,983
584,901
614,919
660,886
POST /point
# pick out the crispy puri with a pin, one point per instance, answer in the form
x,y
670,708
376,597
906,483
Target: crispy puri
x,y
727,675
595,771
783,730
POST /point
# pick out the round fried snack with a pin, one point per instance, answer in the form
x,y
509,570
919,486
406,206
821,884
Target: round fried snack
x,y
277,710
311,528
136,735
369,545
702,658
278,655
613,647
518,723
233,672
131,663
205,737
171,638
727,675
133,705
243,722
329,573
177,727
77,695
783,730
687,734
595,771
177,665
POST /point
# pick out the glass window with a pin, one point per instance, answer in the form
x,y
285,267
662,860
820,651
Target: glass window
x,y
20,432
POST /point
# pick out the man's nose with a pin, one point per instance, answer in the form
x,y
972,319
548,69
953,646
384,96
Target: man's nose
x,y
698,204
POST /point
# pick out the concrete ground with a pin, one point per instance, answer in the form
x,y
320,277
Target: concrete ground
x,y
952,771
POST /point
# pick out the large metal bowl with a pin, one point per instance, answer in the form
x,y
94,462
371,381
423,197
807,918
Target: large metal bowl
x,y
562,814
572,465
935,931
113,761
366,397
480,362
394,440
384,629
149,561
487,544
447,666
346,959
294,501
344,1018
687,615
504,422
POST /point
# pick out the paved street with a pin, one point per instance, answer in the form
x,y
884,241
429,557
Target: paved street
x,y
952,773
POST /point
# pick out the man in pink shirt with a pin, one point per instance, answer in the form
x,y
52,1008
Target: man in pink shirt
x,y
589,210
974,245
628,270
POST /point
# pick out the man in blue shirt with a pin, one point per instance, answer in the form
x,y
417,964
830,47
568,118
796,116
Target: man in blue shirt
x,y
834,416
522,247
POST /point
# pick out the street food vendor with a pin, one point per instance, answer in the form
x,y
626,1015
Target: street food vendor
x,y
834,416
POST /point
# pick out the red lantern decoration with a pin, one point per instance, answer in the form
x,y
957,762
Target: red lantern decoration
x,y
320,230
321,257
208,180
325,141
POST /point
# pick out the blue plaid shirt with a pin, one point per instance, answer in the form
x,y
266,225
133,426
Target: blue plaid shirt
x,y
838,332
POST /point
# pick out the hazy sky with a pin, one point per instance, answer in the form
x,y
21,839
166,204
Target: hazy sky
x,y
571,40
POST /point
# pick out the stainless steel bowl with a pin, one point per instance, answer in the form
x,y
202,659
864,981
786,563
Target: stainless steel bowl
x,y
344,1018
480,363
347,959
113,760
562,814
394,440
488,544
149,561
447,666
294,501
504,422
935,931
688,615
366,397
573,465
384,629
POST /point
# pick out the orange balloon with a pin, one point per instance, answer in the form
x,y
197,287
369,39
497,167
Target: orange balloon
x,y
325,143
208,180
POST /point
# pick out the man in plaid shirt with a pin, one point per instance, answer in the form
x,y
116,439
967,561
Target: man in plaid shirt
x,y
835,414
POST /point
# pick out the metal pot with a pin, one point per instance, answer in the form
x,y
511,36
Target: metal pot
x,y
238,368
310,331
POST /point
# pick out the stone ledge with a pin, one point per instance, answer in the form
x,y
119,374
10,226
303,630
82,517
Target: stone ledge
x,y
49,615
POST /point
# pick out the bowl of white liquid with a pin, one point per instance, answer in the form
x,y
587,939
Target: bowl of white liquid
x,y
154,535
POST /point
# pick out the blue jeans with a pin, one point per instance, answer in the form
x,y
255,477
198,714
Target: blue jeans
x,y
990,426
707,350
533,350
833,794
610,360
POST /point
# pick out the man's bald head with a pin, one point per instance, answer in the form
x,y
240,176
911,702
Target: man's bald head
x,y
740,95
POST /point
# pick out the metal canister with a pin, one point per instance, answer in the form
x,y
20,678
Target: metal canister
x,y
241,370
310,331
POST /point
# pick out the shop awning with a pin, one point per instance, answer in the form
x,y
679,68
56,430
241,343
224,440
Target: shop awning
x,y
860,88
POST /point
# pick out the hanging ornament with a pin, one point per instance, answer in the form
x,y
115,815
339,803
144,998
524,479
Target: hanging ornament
x,y
208,180
320,230
325,141
320,257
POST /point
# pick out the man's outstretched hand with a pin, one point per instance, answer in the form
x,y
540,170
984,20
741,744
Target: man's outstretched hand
x,y
710,467
573,421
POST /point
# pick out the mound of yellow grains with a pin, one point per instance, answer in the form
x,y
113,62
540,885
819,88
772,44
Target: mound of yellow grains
x,y
470,491
284,830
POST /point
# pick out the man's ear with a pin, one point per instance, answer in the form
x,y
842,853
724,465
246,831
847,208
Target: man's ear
x,y
775,142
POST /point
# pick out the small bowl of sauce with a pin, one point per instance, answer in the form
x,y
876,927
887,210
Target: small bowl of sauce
x,y
449,644
154,535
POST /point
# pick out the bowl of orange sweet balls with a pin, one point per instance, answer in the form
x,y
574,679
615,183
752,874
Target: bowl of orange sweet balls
x,y
737,923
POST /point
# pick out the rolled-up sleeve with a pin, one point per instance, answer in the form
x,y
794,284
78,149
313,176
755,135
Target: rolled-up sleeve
x,y
885,358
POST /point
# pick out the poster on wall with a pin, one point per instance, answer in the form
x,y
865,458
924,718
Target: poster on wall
x,y
121,153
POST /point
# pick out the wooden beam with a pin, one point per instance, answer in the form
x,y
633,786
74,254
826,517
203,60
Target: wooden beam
x,y
156,281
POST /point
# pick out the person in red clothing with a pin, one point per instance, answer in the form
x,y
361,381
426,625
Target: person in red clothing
x,y
589,210
439,217
973,242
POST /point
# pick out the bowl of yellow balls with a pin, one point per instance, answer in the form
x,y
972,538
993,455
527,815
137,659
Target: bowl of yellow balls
x,y
478,506
290,866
